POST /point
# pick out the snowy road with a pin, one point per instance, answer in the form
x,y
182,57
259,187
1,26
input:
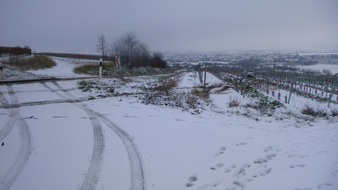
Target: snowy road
x,y
74,130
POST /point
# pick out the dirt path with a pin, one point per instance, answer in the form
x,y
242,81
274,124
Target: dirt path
x,y
25,140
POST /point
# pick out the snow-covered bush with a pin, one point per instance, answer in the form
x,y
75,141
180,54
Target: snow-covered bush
x,y
86,86
91,85
156,92
166,86
164,93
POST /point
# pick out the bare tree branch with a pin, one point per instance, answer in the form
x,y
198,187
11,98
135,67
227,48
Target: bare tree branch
x,y
102,46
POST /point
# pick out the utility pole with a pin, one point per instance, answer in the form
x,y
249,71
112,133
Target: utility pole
x,y
205,75
130,57
100,68
199,70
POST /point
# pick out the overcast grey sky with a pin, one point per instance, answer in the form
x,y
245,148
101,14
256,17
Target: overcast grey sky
x,y
172,25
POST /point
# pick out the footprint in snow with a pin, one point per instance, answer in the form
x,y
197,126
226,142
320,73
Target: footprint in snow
x,y
241,144
297,165
334,173
265,159
191,181
268,149
324,185
217,166
230,168
261,170
304,156
59,117
221,151
239,184
242,170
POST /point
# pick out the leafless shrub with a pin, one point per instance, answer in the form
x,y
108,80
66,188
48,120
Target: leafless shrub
x,y
192,100
159,91
204,94
233,102
334,112
166,86
163,93
308,110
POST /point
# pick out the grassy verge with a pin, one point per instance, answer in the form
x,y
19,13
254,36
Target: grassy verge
x,y
93,69
32,63
109,69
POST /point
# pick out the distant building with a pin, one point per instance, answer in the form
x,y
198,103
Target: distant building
x,y
248,74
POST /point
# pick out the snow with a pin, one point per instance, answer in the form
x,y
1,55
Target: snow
x,y
57,148
177,146
320,67
64,68
26,95
220,148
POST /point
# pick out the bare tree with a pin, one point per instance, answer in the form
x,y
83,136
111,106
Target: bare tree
x,y
157,60
136,53
131,41
141,54
102,46
131,49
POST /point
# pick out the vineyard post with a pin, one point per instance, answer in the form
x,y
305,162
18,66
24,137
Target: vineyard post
x,y
267,83
291,90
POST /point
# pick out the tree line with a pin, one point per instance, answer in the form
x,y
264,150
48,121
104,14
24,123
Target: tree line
x,y
129,51
15,51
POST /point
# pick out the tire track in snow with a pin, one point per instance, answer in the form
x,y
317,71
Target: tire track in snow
x,y
39,103
25,143
95,165
97,155
4,101
11,121
137,172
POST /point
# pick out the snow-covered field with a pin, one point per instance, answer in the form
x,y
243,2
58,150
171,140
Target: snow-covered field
x,y
64,67
57,137
320,67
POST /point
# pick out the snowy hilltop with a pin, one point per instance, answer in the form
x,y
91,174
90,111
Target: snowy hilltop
x,y
181,130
